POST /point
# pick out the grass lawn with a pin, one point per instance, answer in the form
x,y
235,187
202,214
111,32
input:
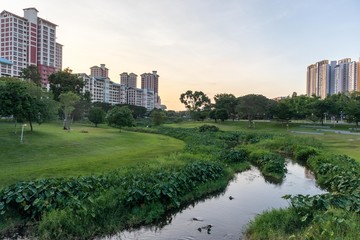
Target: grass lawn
x,y
50,151
333,142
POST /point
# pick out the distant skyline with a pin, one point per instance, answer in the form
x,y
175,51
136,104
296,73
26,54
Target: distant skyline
x,y
232,46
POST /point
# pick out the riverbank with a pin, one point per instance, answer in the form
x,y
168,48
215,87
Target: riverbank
x,y
334,215
147,193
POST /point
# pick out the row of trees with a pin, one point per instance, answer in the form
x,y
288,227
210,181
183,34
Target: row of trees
x,y
227,106
25,101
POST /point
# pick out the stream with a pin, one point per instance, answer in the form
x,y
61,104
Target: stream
x,y
247,195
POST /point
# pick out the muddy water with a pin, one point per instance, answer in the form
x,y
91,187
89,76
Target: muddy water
x,y
229,213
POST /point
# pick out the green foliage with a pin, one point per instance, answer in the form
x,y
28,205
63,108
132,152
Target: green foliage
x,y
120,117
140,196
25,100
303,153
31,73
32,199
208,128
252,106
226,101
234,156
222,114
268,225
352,109
137,111
333,224
96,115
271,165
282,111
168,186
52,152
194,101
68,101
157,117
82,107
65,81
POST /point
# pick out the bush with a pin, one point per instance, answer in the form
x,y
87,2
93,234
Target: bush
x,y
208,128
303,153
271,165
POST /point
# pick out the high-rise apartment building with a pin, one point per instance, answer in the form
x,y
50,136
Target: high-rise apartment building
x,y
129,80
150,81
358,77
29,40
102,89
58,55
101,71
340,76
311,80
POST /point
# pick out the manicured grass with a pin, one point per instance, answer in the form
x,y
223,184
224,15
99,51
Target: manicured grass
x,y
332,142
50,151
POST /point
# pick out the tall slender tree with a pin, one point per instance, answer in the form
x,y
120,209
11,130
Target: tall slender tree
x,y
68,101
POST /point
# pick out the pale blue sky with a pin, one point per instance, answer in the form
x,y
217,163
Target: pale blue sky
x,y
216,46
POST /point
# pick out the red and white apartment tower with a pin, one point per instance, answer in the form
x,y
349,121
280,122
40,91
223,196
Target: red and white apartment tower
x,y
29,40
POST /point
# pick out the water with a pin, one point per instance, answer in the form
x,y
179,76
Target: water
x,y
229,213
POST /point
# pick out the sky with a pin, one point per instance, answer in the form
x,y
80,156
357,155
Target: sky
x,y
215,46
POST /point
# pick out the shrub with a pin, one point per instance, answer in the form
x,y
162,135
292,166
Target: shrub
x,y
234,156
303,153
208,128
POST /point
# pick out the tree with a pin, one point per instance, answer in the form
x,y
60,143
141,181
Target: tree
x,y
222,114
96,115
137,111
120,117
31,73
68,101
252,105
194,101
319,108
298,105
352,109
283,111
338,104
157,117
212,115
65,81
228,102
103,105
82,107
25,101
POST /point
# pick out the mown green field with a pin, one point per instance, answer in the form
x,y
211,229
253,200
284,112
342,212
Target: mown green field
x,y
50,151
333,142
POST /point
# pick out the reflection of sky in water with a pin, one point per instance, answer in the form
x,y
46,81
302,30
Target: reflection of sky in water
x,y
252,195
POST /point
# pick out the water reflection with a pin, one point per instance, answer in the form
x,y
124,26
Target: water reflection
x,y
228,213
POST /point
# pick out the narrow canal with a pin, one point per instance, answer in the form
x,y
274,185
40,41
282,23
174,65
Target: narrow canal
x,y
230,212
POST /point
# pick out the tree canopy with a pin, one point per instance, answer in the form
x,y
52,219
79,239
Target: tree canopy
x,y
25,101
228,102
252,105
32,74
120,117
194,101
96,115
65,81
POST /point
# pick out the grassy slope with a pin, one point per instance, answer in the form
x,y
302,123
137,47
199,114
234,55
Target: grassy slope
x,y
52,152
333,142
